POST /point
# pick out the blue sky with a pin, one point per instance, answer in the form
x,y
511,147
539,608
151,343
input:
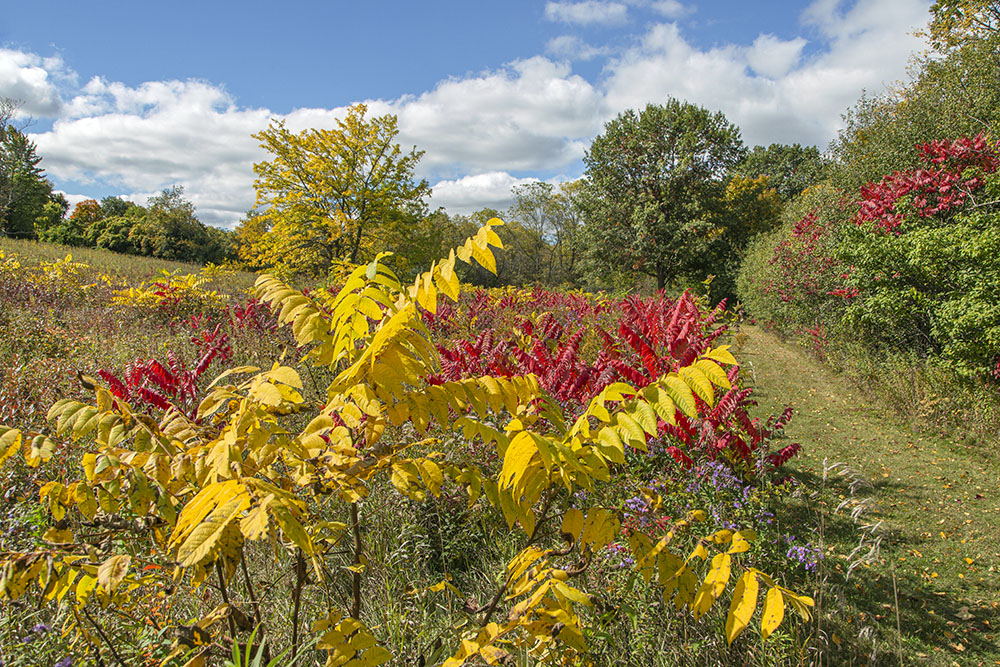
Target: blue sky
x,y
131,97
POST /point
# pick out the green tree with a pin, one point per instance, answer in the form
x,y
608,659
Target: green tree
x,y
553,215
24,190
790,169
951,96
957,22
169,229
53,226
327,192
658,179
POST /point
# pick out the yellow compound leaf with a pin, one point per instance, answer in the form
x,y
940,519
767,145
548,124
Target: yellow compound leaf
x,y
720,354
742,606
599,528
678,392
205,535
774,612
715,582
699,383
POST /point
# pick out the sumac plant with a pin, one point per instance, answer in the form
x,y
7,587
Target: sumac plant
x,y
173,507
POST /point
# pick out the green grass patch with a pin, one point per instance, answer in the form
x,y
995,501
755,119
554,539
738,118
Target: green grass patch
x,y
930,591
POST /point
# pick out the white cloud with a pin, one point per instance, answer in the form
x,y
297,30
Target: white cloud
x,y
155,135
471,193
572,47
31,80
671,9
788,100
587,12
773,57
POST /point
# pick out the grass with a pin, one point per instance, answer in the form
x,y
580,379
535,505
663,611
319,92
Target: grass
x,y
133,269
939,507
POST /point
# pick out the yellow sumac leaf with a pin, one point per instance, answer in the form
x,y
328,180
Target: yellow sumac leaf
x,y
10,442
599,528
699,383
715,582
203,538
720,354
112,571
742,606
713,372
285,375
774,612
56,536
572,523
678,392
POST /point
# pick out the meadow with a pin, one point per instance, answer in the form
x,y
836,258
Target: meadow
x,y
511,476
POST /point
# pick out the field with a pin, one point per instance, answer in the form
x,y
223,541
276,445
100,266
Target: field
x,y
409,522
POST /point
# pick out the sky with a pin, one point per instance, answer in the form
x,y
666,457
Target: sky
x,y
127,98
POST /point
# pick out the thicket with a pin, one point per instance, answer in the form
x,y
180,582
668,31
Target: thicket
x,y
896,257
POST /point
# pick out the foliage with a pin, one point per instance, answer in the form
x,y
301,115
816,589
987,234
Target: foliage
x,y
790,277
957,22
554,217
951,96
25,193
169,229
163,502
789,169
923,257
657,178
326,192
173,294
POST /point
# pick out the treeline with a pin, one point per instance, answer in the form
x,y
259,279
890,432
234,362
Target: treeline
x,y
166,227
671,196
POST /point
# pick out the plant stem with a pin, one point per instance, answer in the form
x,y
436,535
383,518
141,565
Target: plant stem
x,y
300,580
255,603
899,630
100,631
225,598
356,582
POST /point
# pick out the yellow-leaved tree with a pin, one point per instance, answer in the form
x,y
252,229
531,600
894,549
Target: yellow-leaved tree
x,y
325,193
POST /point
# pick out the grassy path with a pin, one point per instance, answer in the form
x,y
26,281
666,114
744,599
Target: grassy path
x,y
939,508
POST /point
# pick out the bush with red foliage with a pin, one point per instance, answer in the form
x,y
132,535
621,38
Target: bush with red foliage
x,y
147,383
579,345
953,171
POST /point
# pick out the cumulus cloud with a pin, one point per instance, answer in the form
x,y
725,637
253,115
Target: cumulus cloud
x,y
671,9
31,80
774,57
471,193
141,139
533,115
786,99
586,13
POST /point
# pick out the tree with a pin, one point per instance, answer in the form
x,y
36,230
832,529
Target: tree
x,y
658,179
553,215
169,229
24,190
954,96
327,191
789,169
958,22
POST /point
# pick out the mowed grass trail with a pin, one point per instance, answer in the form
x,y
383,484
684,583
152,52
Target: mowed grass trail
x,y
938,504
